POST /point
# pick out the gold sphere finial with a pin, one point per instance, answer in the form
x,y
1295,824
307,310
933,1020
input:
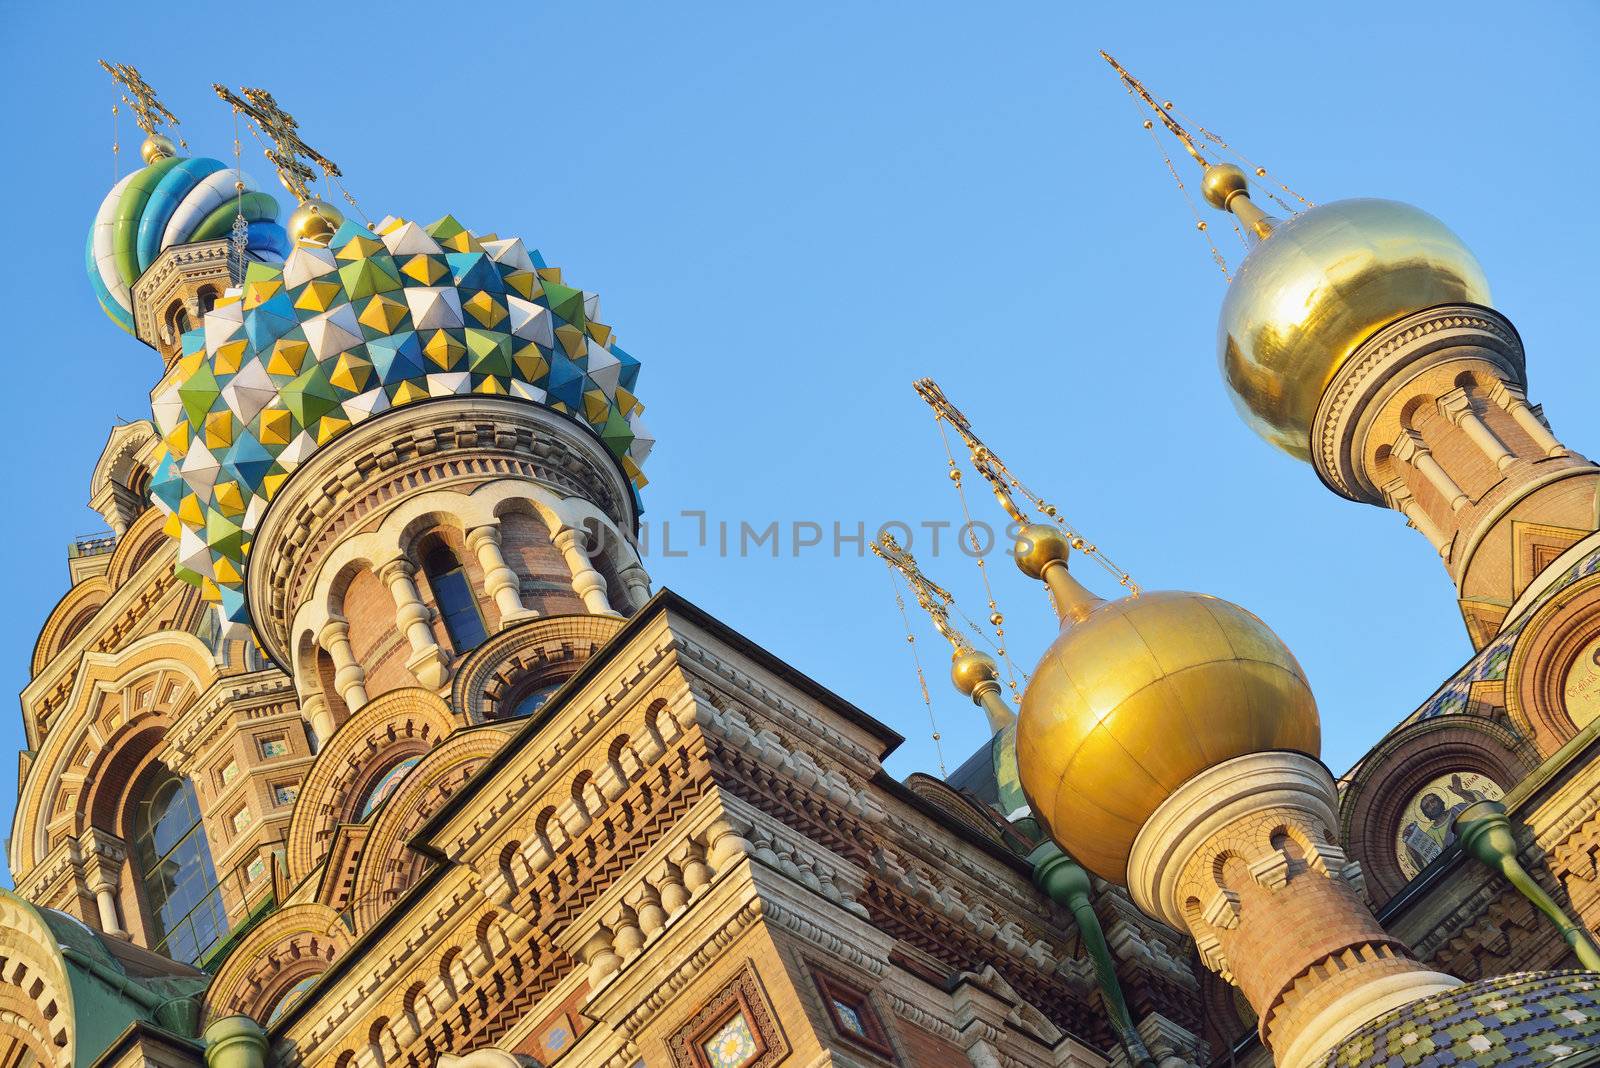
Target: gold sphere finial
x,y
1223,182
314,223
970,669
157,146
1038,546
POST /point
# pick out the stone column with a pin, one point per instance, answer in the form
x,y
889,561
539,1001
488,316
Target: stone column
x,y
499,581
103,857
1456,406
235,1042
1515,401
1240,857
637,582
314,709
350,679
588,583
427,660
1398,495
1409,449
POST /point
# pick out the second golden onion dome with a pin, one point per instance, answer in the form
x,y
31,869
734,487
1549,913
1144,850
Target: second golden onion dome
x,y
1307,296
1140,696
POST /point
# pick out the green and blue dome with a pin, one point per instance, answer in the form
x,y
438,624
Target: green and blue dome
x,y
337,335
173,201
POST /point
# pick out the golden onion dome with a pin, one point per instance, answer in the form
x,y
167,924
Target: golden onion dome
x,y
314,223
1139,696
1318,286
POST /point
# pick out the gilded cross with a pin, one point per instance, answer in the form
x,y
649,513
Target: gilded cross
x,y
934,598
148,111
288,152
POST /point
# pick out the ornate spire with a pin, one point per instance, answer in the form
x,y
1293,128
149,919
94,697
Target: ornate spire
x,y
315,220
149,113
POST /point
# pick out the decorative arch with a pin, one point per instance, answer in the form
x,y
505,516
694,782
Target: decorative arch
x,y
120,706
400,529
550,648
1546,653
388,864
145,539
295,943
119,484
66,621
387,729
36,997
1372,804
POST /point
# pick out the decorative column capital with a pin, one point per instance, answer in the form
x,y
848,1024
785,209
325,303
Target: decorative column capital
x,y
333,632
488,532
396,567
1455,405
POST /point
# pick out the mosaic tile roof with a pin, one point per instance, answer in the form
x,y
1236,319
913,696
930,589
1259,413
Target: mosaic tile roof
x,y
1523,1018
173,201
335,336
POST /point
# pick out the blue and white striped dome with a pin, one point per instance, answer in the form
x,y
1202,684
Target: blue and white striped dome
x,y
173,201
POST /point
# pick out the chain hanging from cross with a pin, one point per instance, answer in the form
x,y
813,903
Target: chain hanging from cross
x,y
289,152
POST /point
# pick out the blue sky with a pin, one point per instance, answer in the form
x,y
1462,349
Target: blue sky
x,y
792,211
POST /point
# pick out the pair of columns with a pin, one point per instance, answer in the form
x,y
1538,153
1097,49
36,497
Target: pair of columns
x,y
428,662
1410,450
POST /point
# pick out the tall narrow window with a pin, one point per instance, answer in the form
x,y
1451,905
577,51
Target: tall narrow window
x,y
453,594
185,914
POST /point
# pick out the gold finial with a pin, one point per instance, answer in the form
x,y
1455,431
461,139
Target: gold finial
x,y
148,111
288,149
974,673
1225,186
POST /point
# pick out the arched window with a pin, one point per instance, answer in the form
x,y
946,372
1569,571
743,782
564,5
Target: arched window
x,y
184,916
289,997
453,595
387,784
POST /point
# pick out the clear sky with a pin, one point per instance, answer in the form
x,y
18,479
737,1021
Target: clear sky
x,y
791,211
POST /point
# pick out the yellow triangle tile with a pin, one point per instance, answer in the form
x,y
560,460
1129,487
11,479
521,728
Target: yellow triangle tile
x,y
531,364
329,427
173,526
383,314
219,430
422,269
571,339
490,386
288,357
351,372
270,484
442,350
560,406
359,248
524,283
485,309
227,574
178,440
600,332
209,591
407,392
318,295
595,406
228,356
227,498
627,402
258,293
276,426
550,274
189,510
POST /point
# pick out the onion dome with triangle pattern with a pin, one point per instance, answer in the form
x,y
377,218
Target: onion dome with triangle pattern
x,y
339,334
173,201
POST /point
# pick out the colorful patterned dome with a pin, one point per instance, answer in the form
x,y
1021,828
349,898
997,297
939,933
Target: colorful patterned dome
x,y
173,201
337,335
